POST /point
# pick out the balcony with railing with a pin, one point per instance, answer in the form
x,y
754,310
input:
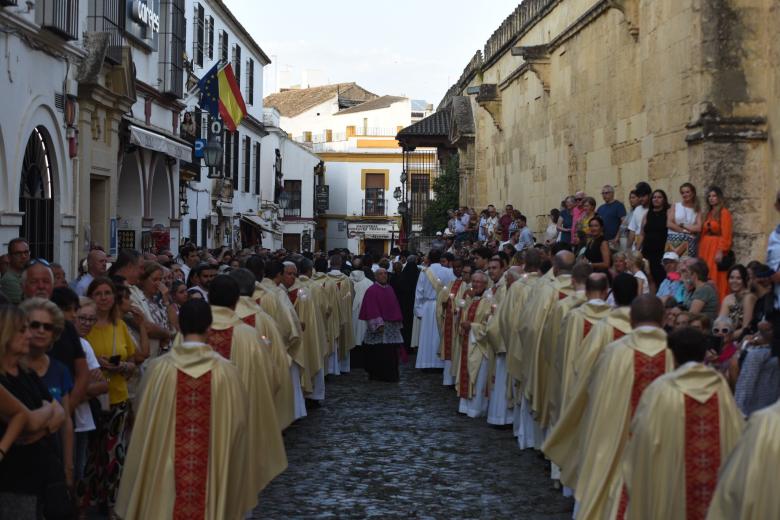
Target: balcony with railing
x,y
59,16
105,16
374,207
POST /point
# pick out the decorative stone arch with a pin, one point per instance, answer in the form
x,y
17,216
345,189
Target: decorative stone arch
x,y
130,190
160,190
49,223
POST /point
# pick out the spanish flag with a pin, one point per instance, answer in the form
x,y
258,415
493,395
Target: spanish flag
x,y
221,97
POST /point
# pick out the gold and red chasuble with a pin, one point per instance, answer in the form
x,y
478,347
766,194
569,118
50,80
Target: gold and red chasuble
x,y
449,317
463,389
617,334
293,295
702,454
249,319
586,327
191,449
646,370
221,341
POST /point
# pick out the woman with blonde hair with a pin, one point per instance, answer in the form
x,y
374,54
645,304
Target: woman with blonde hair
x,y
32,467
116,353
637,265
683,221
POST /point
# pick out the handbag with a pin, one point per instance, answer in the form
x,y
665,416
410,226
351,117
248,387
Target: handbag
x,y
729,258
728,261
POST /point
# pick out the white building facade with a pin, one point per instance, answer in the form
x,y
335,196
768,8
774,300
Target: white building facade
x,y
353,132
38,118
239,205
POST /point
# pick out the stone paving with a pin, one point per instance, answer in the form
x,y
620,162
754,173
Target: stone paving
x,y
384,450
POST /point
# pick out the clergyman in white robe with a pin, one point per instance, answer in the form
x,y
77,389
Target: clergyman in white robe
x,y
425,309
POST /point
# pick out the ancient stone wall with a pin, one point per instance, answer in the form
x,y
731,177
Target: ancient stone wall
x,y
617,91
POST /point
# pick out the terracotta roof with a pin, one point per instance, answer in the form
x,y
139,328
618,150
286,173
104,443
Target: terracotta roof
x,y
374,104
292,102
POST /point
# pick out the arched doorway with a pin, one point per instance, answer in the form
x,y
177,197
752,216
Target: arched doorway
x,y
36,198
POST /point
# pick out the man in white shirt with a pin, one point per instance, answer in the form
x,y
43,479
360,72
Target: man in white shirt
x,y
97,265
643,191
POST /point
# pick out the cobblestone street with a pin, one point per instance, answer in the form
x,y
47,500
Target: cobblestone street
x,y
383,450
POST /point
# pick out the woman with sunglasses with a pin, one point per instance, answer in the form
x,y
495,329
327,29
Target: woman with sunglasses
x,y
28,467
116,353
45,322
740,302
726,358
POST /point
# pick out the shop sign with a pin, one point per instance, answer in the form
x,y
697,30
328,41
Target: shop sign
x,y
142,21
323,197
370,231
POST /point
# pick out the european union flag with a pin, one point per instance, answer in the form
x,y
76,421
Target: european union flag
x,y
209,92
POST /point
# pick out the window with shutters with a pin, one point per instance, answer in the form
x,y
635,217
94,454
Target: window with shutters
x,y
234,173
197,35
210,37
172,44
374,203
223,46
237,63
250,81
227,164
257,168
247,163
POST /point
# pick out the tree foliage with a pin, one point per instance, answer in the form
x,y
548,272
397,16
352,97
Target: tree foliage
x,y
446,190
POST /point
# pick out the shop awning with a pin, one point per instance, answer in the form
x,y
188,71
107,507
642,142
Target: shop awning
x,y
259,223
159,142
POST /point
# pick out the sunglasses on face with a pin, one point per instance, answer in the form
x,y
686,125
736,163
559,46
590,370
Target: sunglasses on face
x,y
41,261
576,199
37,325
725,330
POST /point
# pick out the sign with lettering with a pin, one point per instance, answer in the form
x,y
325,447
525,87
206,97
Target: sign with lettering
x,y
323,197
142,21
382,231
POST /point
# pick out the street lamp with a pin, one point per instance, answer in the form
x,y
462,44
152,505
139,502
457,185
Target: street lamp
x,y
212,154
397,195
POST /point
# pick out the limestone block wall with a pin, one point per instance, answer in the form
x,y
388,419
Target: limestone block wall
x,y
615,92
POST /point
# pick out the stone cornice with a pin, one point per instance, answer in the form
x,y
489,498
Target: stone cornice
x,y
583,21
537,59
710,126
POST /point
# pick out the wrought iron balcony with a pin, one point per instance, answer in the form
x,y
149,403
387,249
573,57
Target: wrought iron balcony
x,y
374,207
59,16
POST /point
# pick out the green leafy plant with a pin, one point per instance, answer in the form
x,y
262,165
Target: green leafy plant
x,y
446,192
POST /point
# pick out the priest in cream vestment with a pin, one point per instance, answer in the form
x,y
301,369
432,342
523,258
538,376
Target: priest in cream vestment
x,y
429,284
238,342
746,485
345,293
686,425
622,372
327,296
268,335
447,318
189,453
274,300
473,347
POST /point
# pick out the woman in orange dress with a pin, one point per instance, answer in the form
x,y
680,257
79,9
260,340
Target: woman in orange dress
x,y
716,235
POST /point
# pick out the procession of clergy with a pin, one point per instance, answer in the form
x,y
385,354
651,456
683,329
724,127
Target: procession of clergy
x,y
210,413
635,424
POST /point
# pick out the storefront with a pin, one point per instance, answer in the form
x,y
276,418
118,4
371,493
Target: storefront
x,y
372,237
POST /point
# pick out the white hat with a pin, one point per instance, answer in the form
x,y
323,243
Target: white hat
x,y
671,255
438,233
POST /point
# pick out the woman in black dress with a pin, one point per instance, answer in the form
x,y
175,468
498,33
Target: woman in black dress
x,y
597,249
653,236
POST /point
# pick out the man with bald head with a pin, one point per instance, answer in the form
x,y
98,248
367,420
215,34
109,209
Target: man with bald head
x,y
97,266
533,320
597,419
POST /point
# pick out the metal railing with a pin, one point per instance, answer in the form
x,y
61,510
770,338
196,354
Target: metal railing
x,y
106,17
374,207
291,213
59,16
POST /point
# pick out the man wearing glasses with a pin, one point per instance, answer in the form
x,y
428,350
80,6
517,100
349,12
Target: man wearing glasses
x,y
612,212
11,283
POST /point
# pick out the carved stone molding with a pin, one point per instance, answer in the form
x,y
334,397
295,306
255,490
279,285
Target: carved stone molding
x,y
537,57
708,124
630,10
489,98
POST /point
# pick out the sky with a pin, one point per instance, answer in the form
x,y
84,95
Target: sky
x,y
413,48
